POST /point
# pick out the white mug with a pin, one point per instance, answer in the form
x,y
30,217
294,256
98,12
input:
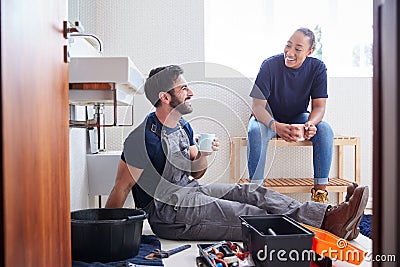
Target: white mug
x,y
205,142
301,132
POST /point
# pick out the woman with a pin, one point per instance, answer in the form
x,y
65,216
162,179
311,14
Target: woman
x,y
281,95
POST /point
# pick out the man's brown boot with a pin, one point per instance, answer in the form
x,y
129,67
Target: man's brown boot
x,y
320,196
350,190
343,220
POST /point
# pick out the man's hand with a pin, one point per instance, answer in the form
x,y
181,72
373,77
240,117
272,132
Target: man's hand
x,y
199,159
215,147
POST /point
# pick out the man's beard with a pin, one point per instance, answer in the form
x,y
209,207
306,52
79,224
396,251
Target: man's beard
x,y
181,107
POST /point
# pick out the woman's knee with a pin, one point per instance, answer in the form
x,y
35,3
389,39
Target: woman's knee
x,y
325,130
256,128
257,131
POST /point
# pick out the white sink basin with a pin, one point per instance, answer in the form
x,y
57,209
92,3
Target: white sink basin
x,y
120,71
102,170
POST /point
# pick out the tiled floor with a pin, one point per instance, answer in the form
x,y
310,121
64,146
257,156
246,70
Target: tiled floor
x,y
188,257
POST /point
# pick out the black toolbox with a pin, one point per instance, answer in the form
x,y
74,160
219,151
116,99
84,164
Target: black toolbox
x,y
277,240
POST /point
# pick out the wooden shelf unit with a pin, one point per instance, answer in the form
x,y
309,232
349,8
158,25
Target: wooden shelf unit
x,y
300,185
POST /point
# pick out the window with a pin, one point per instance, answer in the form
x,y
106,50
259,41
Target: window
x,y
241,34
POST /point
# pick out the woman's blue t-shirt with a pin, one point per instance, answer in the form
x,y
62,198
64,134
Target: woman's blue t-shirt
x,y
288,91
143,150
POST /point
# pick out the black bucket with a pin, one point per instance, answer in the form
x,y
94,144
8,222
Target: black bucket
x,y
106,235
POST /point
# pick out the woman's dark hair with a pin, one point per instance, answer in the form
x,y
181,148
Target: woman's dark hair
x,y
310,34
161,79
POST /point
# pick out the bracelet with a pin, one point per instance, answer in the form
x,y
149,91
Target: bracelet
x,y
270,122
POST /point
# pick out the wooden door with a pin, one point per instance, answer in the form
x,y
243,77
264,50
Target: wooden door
x,y
35,204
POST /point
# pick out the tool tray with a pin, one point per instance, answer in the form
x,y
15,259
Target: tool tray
x,y
210,254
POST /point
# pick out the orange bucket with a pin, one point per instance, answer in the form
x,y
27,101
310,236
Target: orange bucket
x,y
329,245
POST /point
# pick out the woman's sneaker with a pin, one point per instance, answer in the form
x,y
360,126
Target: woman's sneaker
x,y
320,196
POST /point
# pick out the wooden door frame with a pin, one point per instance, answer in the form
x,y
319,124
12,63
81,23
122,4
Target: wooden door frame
x,y
2,245
386,131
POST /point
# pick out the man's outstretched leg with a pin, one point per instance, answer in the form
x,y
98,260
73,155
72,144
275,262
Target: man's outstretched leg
x,y
341,220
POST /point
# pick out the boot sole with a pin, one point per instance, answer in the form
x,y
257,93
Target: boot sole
x,y
360,212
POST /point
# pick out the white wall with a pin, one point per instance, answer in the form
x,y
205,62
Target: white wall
x,y
78,172
157,32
